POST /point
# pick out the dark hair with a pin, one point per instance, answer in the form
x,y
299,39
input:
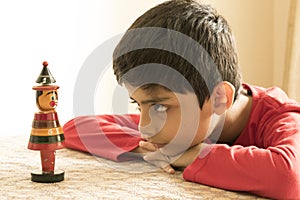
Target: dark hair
x,y
38,94
216,58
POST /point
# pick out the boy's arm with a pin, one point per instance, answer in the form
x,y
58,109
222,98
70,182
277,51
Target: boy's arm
x,y
108,136
273,171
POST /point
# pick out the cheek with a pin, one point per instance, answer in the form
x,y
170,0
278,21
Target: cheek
x,y
171,126
202,131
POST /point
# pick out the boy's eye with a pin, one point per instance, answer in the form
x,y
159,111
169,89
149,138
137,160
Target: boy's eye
x,y
138,106
52,98
160,108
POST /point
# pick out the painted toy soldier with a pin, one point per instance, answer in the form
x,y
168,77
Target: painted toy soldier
x,y
46,133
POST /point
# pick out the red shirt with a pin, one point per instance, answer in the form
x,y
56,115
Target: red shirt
x,y
264,160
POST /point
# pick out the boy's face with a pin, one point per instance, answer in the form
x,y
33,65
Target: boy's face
x,y
167,117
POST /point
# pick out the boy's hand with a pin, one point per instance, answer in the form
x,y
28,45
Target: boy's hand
x,y
157,158
152,155
145,147
189,156
148,146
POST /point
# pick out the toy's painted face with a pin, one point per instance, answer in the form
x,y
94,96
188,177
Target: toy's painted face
x,y
47,101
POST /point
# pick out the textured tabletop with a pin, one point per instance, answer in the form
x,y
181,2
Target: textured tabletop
x,y
89,177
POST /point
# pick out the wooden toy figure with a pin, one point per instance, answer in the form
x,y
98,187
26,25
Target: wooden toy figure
x,y
46,133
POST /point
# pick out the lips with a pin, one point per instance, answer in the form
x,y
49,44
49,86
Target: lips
x,y
53,104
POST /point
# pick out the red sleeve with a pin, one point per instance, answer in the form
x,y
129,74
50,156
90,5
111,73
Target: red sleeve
x,y
270,171
108,136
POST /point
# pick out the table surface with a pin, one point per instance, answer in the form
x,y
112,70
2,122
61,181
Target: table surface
x,y
90,177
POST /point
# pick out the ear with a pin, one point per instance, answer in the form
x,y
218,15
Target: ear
x,y
222,97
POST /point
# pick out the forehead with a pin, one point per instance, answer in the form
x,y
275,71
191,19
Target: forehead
x,y
163,94
149,91
156,89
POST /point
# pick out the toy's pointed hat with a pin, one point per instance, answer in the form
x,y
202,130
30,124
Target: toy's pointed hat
x,y
45,77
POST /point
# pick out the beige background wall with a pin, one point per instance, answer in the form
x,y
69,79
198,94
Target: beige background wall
x,y
280,19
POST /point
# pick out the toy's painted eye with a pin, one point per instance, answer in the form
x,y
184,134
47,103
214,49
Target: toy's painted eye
x,y
160,108
52,98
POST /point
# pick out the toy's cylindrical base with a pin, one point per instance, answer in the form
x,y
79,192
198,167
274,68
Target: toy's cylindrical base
x,y
41,177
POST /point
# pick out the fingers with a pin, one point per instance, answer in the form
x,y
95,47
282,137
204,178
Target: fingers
x,y
169,169
147,146
160,160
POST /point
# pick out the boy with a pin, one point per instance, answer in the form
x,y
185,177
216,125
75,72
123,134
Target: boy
x,y
178,62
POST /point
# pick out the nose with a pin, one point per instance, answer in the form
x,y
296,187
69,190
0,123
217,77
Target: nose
x,y
151,123
144,119
145,125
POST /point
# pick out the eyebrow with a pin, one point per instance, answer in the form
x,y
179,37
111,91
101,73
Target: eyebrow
x,y
154,100
51,93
